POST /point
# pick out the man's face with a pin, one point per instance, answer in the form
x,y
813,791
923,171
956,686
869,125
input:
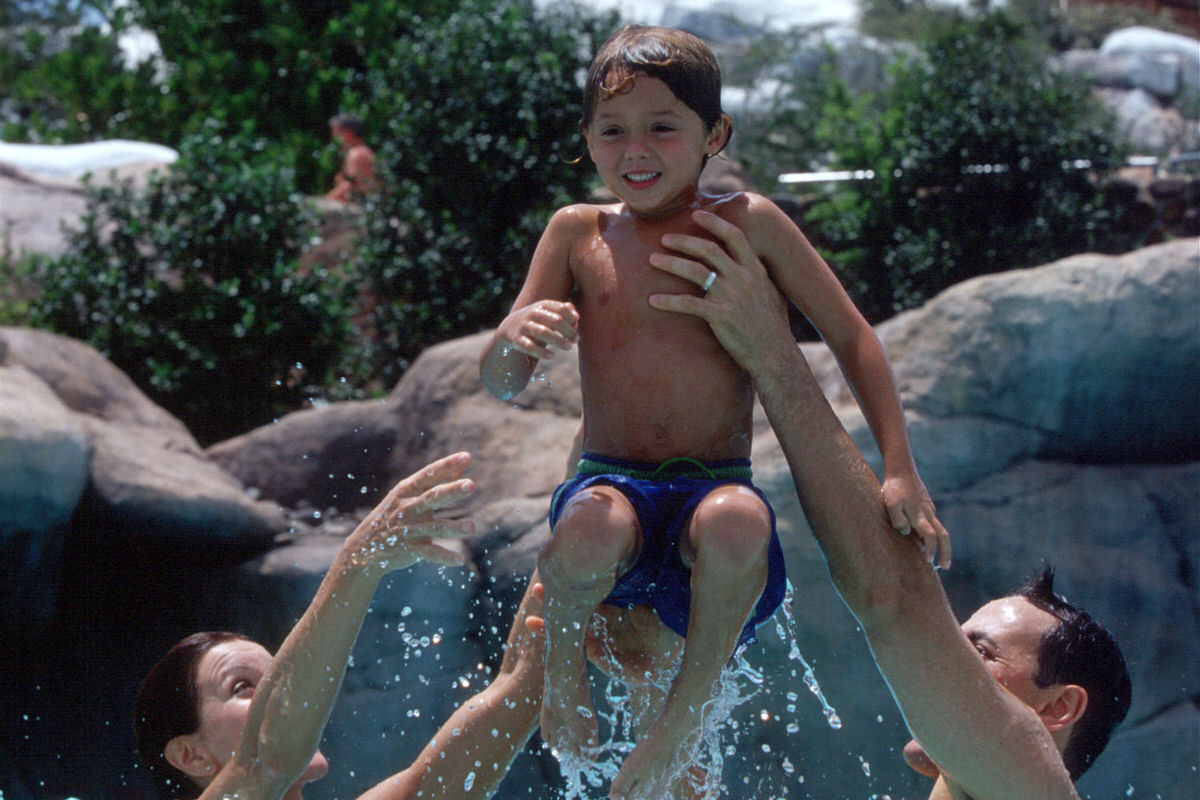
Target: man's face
x,y
1006,633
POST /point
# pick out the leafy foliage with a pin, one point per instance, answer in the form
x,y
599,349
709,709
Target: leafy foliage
x,y
191,285
974,158
475,154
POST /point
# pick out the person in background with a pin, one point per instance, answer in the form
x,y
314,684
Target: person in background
x,y
357,175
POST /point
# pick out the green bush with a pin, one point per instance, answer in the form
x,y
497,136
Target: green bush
x,y
972,147
191,286
476,119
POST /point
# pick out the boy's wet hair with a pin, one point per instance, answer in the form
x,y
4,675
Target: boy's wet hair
x,y
677,58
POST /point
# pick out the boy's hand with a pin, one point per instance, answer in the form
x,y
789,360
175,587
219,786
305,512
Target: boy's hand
x,y
911,510
540,328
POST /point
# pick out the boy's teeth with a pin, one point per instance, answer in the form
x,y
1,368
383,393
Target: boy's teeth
x,y
641,176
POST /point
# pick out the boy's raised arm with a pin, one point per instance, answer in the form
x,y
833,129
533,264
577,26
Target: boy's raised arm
x,y
541,321
808,281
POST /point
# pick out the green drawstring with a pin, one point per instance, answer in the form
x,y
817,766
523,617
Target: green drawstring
x,y
681,466
682,461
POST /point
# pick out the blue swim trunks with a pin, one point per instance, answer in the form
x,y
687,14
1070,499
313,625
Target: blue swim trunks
x,y
663,497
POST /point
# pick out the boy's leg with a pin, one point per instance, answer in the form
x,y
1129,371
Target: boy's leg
x,y
726,543
596,539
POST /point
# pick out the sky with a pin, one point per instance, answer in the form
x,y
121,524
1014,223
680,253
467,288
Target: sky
x,y
777,14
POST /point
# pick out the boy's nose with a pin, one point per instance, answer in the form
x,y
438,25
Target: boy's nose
x,y
635,147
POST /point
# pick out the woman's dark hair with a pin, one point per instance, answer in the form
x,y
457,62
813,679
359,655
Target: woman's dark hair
x,y
1081,651
166,707
677,58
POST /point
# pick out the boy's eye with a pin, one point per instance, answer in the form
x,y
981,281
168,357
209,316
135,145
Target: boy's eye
x,y
662,127
243,688
610,131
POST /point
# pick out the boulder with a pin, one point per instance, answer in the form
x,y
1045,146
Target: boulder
x,y
1140,41
45,454
1090,358
42,185
344,455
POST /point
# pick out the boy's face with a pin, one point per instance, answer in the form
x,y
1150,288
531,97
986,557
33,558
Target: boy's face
x,y
648,147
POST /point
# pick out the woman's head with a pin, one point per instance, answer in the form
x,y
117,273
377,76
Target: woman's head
x,y
192,709
167,706
680,60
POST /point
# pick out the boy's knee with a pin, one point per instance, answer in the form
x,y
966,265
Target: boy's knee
x,y
733,526
597,529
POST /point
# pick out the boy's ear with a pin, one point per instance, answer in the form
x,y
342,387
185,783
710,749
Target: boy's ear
x,y
187,755
1067,706
718,135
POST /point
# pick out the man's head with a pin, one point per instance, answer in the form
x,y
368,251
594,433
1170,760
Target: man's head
x,y
343,124
1079,650
1057,660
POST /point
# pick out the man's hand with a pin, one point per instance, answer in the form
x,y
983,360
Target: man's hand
x,y
742,306
540,328
400,530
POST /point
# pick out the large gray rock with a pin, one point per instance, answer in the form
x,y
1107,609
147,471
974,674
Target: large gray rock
x,y
44,454
35,202
1143,42
75,422
345,454
87,383
1091,358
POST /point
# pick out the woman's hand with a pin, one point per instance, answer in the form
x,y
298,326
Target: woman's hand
x,y
400,530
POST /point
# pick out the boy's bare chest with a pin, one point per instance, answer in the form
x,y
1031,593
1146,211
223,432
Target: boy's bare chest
x,y
614,277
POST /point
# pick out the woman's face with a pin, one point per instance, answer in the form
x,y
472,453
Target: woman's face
x,y
226,679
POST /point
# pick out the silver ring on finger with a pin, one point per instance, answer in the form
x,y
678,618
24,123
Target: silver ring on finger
x,y
708,282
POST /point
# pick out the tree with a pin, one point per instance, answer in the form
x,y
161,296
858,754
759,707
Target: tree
x,y
192,287
978,165
476,118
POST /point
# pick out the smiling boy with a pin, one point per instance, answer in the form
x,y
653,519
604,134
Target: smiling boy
x,y
663,512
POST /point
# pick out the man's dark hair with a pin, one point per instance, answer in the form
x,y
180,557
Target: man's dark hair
x,y
349,122
1081,651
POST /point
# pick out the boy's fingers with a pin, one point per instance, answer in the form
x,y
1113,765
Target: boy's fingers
x,y
899,519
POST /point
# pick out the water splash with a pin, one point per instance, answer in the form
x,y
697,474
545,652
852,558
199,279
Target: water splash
x,y
788,634
720,730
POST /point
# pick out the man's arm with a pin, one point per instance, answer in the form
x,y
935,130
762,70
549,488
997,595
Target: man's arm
x,y
984,738
470,754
